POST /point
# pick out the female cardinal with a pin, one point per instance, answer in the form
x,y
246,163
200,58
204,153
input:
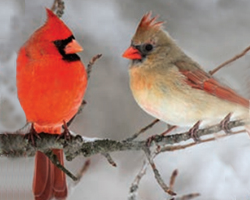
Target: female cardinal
x,y
170,86
51,82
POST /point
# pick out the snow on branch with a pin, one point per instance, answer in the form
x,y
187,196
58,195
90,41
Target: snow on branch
x,y
16,145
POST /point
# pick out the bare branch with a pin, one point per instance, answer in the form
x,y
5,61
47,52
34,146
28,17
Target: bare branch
x,y
179,147
229,61
109,159
142,130
186,197
91,63
135,185
53,158
172,179
157,173
15,145
82,171
89,69
59,7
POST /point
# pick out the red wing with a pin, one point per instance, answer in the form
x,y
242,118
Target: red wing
x,y
199,79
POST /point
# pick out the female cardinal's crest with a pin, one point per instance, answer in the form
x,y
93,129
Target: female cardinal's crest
x,y
147,22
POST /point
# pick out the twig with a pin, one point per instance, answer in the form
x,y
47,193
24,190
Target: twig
x,y
142,130
171,128
186,197
82,171
179,147
53,7
171,186
109,159
156,172
55,161
79,111
59,7
89,68
91,63
229,61
172,179
135,185
176,138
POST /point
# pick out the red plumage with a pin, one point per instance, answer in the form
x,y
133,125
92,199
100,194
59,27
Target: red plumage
x,y
51,84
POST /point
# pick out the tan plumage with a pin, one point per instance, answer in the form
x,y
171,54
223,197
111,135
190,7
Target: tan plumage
x,y
170,86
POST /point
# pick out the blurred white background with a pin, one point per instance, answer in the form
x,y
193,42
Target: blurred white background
x,y
209,31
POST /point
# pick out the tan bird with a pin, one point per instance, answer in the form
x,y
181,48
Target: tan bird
x,y
172,87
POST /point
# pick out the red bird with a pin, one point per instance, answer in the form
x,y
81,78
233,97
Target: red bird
x,y
51,82
172,87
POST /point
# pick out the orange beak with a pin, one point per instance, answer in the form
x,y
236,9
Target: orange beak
x,y
132,53
73,47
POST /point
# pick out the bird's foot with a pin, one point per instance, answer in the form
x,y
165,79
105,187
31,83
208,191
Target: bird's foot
x,y
151,138
66,133
224,124
193,132
31,135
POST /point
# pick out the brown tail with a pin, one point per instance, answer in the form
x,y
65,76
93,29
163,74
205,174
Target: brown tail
x,y
49,181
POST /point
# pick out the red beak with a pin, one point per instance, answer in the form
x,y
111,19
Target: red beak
x,y
132,53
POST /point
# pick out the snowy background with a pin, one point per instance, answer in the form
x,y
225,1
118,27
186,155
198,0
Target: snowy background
x,y
209,31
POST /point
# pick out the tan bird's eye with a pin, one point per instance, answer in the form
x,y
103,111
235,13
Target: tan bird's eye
x,y
146,48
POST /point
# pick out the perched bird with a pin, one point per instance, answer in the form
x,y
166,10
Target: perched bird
x,y
51,82
172,87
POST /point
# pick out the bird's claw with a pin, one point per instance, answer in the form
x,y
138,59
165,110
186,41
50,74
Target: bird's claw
x,y
66,133
150,140
193,132
224,124
31,136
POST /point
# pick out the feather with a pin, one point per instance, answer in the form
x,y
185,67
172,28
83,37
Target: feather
x,y
148,22
199,79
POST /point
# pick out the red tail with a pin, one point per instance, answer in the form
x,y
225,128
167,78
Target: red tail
x,y
49,181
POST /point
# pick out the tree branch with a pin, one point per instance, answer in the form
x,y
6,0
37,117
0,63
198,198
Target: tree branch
x,y
134,136
59,7
229,61
16,145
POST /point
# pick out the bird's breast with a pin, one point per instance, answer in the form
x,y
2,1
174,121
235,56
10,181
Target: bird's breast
x,y
177,104
51,91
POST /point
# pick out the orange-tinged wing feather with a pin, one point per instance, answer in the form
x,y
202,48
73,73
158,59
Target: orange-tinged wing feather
x,y
199,79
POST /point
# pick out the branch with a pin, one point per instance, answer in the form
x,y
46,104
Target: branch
x,y
135,185
82,171
91,63
229,61
16,145
142,130
158,177
55,161
89,69
59,7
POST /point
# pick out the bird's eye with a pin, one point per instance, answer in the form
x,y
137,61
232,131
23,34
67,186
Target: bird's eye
x,y
147,48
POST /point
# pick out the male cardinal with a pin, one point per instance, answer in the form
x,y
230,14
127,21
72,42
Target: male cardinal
x,y
51,82
172,87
